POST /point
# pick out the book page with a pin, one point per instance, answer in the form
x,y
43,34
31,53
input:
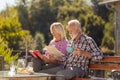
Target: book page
x,y
53,51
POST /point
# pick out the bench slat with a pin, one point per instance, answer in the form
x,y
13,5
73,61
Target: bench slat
x,y
110,59
109,67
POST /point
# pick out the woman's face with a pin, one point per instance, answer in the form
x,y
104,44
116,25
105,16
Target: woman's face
x,y
56,35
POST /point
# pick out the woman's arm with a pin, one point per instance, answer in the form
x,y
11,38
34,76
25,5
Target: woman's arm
x,y
43,57
48,59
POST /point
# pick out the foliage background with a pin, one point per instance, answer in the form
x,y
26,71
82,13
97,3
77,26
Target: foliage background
x,y
29,22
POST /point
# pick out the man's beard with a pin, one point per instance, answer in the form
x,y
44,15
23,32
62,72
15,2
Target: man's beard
x,y
73,36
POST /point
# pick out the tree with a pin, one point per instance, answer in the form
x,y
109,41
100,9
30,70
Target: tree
x,y
27,42
42,16
6,52
10,28
24,15
107,15
91,23
37,15
101,10
40,41
109,39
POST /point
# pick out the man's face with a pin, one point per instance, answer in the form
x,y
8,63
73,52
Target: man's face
x,y
73,32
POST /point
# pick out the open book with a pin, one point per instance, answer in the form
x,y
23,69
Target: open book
x,y
53,51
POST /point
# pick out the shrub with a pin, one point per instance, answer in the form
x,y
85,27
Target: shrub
x,y
6,52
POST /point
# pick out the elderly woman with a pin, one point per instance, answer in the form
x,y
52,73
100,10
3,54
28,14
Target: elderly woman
x,y
45,61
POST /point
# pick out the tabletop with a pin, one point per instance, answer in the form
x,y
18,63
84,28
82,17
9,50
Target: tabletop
x,y
7,74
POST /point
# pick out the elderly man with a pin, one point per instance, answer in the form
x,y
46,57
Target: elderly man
x,y
81,49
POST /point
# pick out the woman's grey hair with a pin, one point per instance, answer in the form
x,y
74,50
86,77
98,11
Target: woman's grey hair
x,y
76,22
59,29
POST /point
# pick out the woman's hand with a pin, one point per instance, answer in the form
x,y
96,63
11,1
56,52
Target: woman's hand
x,y
37,52
53,59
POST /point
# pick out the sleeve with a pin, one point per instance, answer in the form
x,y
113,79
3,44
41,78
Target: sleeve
x,y
94,50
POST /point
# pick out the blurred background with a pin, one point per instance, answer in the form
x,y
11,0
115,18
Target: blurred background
x,y
24,24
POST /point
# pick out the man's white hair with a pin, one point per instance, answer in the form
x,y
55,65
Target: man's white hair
x,y
77,23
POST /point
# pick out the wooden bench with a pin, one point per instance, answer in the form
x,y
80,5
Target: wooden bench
x,y
108,63
1,62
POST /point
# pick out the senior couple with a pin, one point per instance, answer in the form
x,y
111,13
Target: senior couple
x,y
77,52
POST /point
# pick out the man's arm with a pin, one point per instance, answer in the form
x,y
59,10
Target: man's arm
x,y
82,53
94,50
94,53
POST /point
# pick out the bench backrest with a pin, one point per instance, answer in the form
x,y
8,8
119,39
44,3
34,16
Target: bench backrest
x,y
107,63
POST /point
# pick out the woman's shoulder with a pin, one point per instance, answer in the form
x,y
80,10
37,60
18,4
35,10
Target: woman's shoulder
x,y
59,42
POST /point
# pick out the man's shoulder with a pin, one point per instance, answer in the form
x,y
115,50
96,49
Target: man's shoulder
x,y
86,37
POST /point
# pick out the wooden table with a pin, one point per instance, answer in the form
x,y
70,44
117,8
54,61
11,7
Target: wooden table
x,y
27,78
4,75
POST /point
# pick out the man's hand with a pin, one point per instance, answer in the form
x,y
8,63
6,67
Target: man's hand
x,y
82,53
77,51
